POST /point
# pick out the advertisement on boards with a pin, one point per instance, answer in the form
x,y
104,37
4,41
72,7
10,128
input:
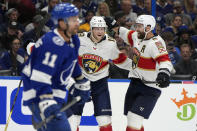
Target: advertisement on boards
x,y
176,109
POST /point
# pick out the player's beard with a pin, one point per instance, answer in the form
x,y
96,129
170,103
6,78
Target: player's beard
x,y
141,35
69,32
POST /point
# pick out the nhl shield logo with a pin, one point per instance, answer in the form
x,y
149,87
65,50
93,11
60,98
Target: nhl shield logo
x,y
91,63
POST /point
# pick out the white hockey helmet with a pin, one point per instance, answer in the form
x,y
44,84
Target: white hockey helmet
x,y
146,20
97,21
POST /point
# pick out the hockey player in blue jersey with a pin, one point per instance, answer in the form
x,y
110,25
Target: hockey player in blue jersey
x,y
51,65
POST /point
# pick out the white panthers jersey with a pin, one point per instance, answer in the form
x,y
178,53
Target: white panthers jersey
x,y
149,55
94,57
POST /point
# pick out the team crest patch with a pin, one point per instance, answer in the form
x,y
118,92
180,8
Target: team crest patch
x,y
91,63
136,57
58,41
160,47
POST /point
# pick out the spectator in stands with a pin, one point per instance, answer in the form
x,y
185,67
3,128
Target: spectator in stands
x,y
190,8
14,58
35,33
183,36
51,4
88,5
148,6
35,22
186,65
2,13
48,9
159,16
113,6
178,10
120,18
66,1
170,46
79,4
194,26
139,8
126,7
86,25
26,9
103,9
12,30
163,7
194,41
175,24
12,15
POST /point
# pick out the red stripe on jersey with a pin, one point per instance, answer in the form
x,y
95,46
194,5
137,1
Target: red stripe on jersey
x,y
80,61
121,58
147,63
162,58
130,37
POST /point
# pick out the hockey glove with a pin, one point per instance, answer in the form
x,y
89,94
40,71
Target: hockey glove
x,y
163,78
48,107
110,22
82,89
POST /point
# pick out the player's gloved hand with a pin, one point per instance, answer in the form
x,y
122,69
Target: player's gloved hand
x,y
82,89
163,78
48,107
110,22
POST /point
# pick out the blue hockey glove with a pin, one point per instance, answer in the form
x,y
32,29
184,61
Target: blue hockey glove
x,y
48,107
82,88
163,78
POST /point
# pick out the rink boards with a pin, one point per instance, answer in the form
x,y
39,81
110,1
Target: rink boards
x,y
176,109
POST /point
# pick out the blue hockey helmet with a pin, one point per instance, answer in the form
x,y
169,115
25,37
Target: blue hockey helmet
x,y
64,11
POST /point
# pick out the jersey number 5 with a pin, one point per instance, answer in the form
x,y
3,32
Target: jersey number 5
x,y
49,59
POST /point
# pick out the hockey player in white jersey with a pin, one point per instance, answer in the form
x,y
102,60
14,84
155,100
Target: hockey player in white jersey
x,y
96,49
52,63
151,64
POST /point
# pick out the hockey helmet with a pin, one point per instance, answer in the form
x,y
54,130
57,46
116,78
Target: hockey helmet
x,y
64,11
97,21
146,20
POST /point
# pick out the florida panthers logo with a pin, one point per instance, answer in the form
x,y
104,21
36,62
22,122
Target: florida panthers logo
x,y
136,57
91,63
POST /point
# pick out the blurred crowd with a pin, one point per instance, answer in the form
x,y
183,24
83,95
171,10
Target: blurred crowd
x,y
24,21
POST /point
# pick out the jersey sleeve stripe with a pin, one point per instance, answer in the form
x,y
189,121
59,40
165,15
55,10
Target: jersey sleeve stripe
x,y
129,37
27,95
121,58
80,60
162,58
41,77
59,93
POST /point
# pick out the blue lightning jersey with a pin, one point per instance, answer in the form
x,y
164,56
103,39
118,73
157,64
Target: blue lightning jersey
x,y
50,66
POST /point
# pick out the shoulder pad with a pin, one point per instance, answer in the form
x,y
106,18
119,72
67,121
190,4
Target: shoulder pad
x,y
81,34
111,39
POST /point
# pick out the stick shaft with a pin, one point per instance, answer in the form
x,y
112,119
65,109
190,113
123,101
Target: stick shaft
x,y
12,108
74,101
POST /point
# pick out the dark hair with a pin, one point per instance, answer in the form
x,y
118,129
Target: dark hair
x,y
167,36
14,37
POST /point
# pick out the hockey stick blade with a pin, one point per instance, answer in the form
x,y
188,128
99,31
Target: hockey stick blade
x,y
74,101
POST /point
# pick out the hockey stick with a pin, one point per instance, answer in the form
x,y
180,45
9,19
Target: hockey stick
x,y
74,101
154,82
8,120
